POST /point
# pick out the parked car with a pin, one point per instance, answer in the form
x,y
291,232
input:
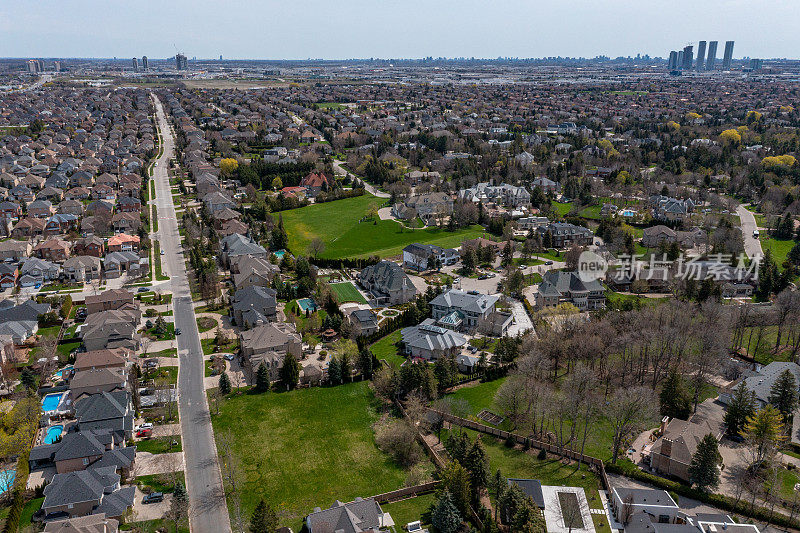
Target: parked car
x,y
228,356
143,289
146,425
548,262
177,331
162,252
153,497
144,433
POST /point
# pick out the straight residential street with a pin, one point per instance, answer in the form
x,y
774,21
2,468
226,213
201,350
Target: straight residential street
x,y
207,509
752,246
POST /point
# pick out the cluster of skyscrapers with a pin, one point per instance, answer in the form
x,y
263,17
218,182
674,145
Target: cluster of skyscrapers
x,y
706,57
135,63
37,65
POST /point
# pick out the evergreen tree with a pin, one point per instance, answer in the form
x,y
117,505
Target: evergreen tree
x,y
28,378
508,255
468,261
674,400
224,383
334,371
290,371
703,470
741,407
783,394
264,518
477,463
364,363
445,516
456,481
262,378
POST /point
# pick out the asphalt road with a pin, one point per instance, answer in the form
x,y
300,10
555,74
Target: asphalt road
x,y
752,246
207,509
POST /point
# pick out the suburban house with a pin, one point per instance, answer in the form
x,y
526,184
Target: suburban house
x,y
95,523
504,194
90,245
359,516
214,201
654,236
565,235
237,245
96,380
249,271
82,268
108,300
559,287
761,381
254,306
463,311
364,322
547,185
314,183
35,271
15,251
430,207
387,283
8,275
422,256
115,264
114,358
86,492
122,242
672,453
638,509
671,209
269,344
430,342
52,250
111,329
79,450
106,410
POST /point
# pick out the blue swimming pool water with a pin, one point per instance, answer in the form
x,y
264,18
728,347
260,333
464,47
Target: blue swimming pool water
x,y
307,304
60,373
7,479
53,432
279,254
51,401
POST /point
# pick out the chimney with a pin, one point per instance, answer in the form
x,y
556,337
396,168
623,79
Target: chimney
x,y
666,447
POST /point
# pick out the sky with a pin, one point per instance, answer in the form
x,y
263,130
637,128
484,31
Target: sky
x,y
344,29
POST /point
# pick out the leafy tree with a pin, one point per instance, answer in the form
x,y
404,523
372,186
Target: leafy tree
x,y
783,395
674,400
703,470
228,166
456,481
224,383
763,432
445,516
264,518
277,183
262,378
290,371
741,407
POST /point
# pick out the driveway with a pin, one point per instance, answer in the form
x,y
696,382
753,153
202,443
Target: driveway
x,y
339,170
158,463
150,511
752,246
522,322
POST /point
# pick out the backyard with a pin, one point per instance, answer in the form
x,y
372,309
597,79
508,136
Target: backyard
x,y
306,448
347,292
337,224
386,349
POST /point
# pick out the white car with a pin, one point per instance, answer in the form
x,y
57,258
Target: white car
x,y
146,425
415,527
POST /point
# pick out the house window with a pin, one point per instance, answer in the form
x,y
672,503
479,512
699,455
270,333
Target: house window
x,y
70,506
663,519
85,460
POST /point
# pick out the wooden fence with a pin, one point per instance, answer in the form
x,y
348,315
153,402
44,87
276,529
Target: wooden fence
x,y
406,492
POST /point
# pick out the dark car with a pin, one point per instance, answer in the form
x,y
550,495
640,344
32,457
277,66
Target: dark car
x,y
177,331
548,262
153,497
143,289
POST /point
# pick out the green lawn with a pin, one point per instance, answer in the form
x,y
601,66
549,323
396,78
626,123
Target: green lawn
x,y
28,511
479,396
306,448
779,248
347,292
561,209
337,224
386,349
159,482
765,353
410,510
160,444
206,323
64,350
170,373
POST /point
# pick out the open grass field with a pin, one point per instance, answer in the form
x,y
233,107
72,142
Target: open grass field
x,y
479,396
347,292
337,224
306,448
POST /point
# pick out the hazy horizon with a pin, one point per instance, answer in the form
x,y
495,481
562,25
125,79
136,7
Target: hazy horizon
x,y
360,29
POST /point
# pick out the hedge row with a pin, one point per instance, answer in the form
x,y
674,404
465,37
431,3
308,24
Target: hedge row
x,y
717,500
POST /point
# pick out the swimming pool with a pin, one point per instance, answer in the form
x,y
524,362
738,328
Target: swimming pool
x,y
7,479
307,304
53,432
51,401
279,254
66,369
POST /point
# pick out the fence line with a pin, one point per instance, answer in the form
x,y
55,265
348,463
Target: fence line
x,y
398,494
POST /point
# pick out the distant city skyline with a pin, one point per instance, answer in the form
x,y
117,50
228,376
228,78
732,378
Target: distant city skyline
x,y
355,29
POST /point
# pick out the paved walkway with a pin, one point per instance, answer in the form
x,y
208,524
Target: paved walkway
x,y
159,463
554,515
522,322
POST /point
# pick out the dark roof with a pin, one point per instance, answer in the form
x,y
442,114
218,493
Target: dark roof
x,y
532,488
